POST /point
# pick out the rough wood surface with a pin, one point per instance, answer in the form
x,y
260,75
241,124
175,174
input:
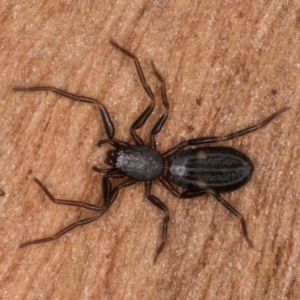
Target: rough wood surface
x,y
227,64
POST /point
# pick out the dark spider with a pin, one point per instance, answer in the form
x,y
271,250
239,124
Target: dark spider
x,y
197,171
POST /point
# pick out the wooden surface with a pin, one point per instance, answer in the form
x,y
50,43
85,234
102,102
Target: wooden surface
x,y
227,65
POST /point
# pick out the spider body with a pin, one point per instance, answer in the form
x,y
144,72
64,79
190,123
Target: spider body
x,y
196,171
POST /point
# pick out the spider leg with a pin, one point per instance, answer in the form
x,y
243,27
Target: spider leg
x,y
230,136
159,204
109,195
139,122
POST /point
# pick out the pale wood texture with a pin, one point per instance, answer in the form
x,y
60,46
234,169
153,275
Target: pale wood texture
x,y
227,64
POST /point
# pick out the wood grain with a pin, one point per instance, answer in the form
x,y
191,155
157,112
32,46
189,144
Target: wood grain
x,y
226,65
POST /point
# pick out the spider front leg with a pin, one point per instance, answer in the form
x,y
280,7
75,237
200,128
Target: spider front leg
x,y
108,124
108,196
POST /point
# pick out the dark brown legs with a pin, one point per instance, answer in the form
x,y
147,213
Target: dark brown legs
x,y
212,139
139,122
217,196
159,204
107,200
229,207
109,195
108,125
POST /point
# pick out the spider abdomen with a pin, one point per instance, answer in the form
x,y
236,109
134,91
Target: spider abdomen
x,y
218,168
